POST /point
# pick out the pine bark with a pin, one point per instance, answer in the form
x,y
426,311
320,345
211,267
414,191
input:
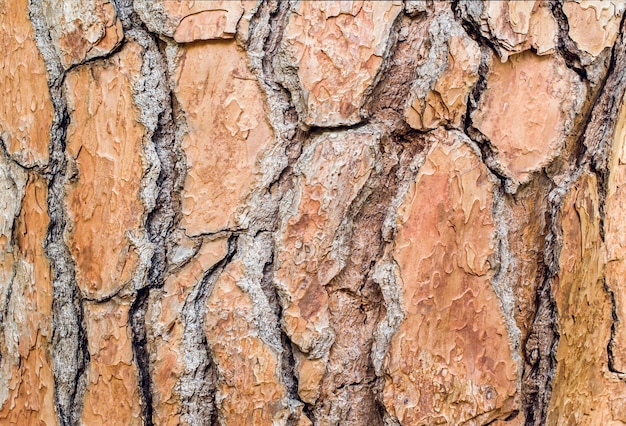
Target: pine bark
x,y
297,212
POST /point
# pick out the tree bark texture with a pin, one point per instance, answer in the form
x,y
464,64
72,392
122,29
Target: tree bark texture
x,y
315,212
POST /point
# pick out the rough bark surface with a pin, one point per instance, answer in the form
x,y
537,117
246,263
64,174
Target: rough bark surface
x,y
312,213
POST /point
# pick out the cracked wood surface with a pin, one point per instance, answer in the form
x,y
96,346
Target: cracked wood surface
x,y
312,213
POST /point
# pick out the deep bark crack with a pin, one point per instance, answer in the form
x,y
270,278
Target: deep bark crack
x,y
70,356
197,385
157,104
566,46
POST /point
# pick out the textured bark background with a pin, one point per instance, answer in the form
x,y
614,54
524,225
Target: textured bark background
x,y
317,212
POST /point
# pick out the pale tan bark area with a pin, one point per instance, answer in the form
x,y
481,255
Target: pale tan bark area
x,y
312,213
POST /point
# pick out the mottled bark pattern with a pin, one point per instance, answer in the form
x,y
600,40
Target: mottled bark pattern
x,y
312,213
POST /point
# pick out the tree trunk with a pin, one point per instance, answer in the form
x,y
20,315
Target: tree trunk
x,y
328,213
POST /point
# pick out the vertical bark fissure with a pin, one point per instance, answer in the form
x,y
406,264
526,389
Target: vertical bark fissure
x,y
387,100
543,340
615,319
471,27
488,153
540,346
363,224
599,131
500,281
288,372
159,224
266,31
598,138
594,145
272,297
136,320
70,356
402,154
566,46
197,385
153,97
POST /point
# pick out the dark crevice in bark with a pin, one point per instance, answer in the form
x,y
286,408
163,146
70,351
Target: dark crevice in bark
x,y
615,318
397,151
595,135
542,343
399,32
593,146
160,221
69,340
96,59
197,385
288,363
502,280
32,168
275,13
136,319
159,224
316,130
470,25
70,356
506,193
598,139
540,346
266,31
157,106
566,46
488,152
534,373
216,235
363,228
4,311
593,149
7,286
123,290
413,147
288,372
539,353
